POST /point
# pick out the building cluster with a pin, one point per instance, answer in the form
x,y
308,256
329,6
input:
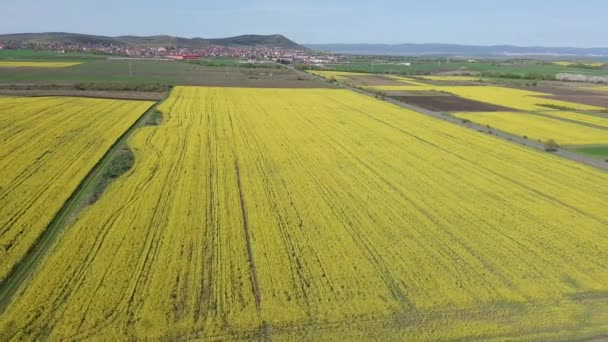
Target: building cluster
x,y
252,54
310,58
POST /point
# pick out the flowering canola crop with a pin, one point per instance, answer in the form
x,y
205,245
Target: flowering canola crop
x,y
542,128
47,147
593,119
338,75
570,63
323,214
20,64
599,88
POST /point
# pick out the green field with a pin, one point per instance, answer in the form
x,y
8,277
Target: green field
x,y
122,74
37,55
531,68
594,151
103,71
232,62
140,72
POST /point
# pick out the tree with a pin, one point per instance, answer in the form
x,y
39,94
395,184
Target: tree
x,y
551,145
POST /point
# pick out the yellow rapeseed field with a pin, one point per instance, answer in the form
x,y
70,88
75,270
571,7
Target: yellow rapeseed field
x,y
598,119
452,78
407,80
344,76
563,63
537,127
323,214
23,64
506,97
338,75
47,146
570,63
599,88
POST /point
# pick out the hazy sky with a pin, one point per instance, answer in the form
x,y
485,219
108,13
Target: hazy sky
x,y
582,23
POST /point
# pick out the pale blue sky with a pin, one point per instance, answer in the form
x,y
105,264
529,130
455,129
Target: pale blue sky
x,y
582,23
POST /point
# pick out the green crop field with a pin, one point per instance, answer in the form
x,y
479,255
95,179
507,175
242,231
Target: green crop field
x,y
594,151
103,71
47,55
521,69
127,71
231,62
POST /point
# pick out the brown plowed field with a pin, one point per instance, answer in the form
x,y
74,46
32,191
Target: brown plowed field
x,y
561,90
374,80
570,93
102,94
450,104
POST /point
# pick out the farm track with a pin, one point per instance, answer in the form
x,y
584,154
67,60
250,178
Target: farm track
x,y
28,264
539,146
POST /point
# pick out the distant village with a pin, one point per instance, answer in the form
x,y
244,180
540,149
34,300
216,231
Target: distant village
x,y
247,54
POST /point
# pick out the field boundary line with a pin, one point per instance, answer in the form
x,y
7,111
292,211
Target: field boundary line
x,y
572,121
28,264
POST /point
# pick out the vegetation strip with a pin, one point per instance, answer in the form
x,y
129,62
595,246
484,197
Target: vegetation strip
x,y
73,204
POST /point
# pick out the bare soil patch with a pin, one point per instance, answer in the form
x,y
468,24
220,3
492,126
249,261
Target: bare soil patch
x,y
118,95
450,104
591,100
374,80
563,91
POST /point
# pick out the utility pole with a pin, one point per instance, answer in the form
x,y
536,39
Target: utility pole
x,y
130,69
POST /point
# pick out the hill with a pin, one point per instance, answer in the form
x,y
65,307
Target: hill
x,y
271,41
459,50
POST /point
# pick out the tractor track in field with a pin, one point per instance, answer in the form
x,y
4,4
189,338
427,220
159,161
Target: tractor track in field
x,y
76,202
247,232
538,146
